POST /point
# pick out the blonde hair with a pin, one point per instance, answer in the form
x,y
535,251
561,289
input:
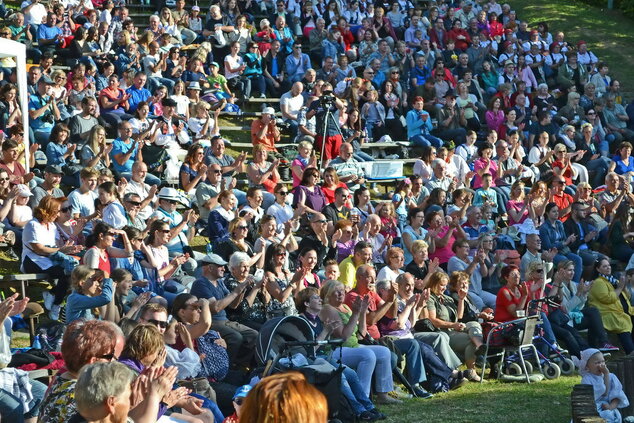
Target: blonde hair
x,y
80,274
143,341
418,246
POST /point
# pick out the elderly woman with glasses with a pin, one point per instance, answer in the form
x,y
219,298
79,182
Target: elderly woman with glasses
x,y
39,247
251,311
84,342
476,268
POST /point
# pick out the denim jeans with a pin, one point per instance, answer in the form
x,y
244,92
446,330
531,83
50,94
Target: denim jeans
x,y
413,359
368,360
421,140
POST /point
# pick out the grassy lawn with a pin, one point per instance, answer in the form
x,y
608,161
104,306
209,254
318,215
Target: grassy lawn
x,y
607,32
546,401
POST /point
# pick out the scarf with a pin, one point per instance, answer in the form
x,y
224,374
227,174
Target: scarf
x,y
613,281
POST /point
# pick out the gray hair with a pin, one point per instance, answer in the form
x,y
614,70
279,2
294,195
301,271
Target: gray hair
x,y
383,284
472,209
99,381
237,259
437,162
404,277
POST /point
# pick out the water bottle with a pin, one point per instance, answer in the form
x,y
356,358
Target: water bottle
x,y
209,248
36,343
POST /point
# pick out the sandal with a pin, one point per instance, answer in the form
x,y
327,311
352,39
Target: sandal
x,y
472,375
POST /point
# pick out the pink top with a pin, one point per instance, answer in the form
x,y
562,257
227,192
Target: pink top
x,y
480,164
517,206
296,180
443,253
494,119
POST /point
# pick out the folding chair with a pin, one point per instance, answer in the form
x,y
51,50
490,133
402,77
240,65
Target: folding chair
x,y
525,342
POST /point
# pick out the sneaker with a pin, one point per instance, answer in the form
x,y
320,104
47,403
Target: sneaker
x,y
378,415
607,347
262,95
54,313
11,255
457,382
400,393
388,398
48,299
367,416
421,393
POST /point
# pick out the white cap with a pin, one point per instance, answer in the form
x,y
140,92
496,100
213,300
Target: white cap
x,y
24,191
268,111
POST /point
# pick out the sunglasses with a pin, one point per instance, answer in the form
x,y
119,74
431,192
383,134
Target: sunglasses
x,y
239,401
283,193
172,201
66,209
320,221
111,234
165,231
4,179
159,323
134,203
242,227
218,171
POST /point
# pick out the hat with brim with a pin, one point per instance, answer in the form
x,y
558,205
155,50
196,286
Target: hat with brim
x,y
194,85
56,169
24,191
450,93
170,194
242,391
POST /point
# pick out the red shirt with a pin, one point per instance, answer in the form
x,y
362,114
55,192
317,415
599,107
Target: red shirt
x,y
567,173
502,303
564,200
375,301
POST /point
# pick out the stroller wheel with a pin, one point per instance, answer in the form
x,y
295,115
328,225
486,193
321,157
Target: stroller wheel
x,y
514,369
567,367
551,370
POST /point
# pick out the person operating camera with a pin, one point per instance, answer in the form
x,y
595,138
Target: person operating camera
x,y
264,130
327,123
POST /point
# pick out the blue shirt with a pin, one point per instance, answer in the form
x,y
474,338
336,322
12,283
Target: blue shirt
x,y
622,167
55,153
120,147
137,96
79,306
45,32
37,102
202,288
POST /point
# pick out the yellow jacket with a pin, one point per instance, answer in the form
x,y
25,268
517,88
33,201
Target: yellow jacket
x,y
604,298
348,273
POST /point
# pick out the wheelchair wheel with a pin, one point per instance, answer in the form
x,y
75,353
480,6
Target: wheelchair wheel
x,y
567,367
514,369
551,370
529,367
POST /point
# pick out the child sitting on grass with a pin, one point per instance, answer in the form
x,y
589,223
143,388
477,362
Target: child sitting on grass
x,y
608,391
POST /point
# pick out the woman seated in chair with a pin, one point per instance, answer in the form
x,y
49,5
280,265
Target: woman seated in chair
x,y
445,314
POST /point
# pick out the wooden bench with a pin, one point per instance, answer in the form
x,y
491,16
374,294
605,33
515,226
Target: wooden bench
x,y
583,406
623,368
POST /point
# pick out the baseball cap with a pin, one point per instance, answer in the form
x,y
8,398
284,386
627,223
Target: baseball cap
x,y
268,111
56,169
196,8
242,391
214,259
24,191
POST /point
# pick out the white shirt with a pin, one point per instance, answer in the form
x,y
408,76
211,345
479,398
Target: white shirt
x,y
142,190
36,233
233,63
292,104
35,15
114,215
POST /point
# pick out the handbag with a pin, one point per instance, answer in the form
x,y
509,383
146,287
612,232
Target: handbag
x,y
216,361
425,325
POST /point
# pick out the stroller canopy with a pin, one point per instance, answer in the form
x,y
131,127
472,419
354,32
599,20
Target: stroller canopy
x,y
276,332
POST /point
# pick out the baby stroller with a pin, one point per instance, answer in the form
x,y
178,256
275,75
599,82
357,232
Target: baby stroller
x,y
288,343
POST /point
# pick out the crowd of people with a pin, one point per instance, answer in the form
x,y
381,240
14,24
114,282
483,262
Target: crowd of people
x,y
521,189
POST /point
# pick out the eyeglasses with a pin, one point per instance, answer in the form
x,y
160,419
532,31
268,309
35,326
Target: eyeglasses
x,y
171,201
320,221
159,323
281,254
242,227
253,47
6,34
66,209
591,113
135,203
283,192
393,72
297,47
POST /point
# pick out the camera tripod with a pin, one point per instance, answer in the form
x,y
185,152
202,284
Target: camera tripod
x,y
328,114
